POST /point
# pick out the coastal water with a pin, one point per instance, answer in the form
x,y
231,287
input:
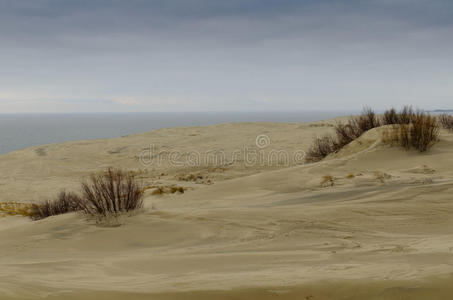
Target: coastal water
x,y
19,131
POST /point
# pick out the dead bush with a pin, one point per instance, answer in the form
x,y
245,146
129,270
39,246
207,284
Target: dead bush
x,y
366,121
390,117
111,193
420,134
344,134
322,146
64,203
356,126
446,121
424,131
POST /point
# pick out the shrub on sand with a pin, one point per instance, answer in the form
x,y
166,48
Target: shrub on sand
x,y
424,131
322,146
411,129
106,194
406,115
356,126
111,193
390,117
446,121
344,134
420,134
64,203
366,121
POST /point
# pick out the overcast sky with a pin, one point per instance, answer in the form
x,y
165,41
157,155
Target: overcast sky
x,y
204,55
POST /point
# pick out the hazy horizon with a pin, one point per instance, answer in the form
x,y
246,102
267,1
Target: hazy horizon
x,y
18,131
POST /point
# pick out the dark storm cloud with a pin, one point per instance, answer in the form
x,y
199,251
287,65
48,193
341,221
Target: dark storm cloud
x,y
222,53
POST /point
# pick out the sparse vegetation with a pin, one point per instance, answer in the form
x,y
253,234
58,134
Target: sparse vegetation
x,y
64,203
327,181
106,194
15,209
411,129
198,177
356,126
111,193
162,189
390,117
344,134
446,121
421,133
424,131
381,176
321,147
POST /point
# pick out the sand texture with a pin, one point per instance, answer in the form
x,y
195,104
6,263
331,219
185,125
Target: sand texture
x,y
370,222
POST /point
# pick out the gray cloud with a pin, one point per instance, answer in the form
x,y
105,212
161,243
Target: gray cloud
x,y
236,54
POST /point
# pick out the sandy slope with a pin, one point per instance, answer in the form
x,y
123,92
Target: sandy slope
x,y
380,227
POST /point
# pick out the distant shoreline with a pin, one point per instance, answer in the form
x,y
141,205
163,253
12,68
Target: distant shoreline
x,y
441,111
25,130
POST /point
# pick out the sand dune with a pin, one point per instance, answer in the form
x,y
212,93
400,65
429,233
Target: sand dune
x,y
370,222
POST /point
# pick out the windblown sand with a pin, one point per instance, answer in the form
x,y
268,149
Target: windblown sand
x,y
370,222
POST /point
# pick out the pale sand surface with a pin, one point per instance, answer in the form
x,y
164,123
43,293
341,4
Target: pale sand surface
x,y
238,232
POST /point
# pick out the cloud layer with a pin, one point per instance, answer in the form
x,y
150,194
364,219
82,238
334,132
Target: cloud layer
x,y
166,55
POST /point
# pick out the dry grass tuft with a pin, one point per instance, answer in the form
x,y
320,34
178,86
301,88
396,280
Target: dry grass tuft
x,y
327,181
16,209
163,189
381,176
